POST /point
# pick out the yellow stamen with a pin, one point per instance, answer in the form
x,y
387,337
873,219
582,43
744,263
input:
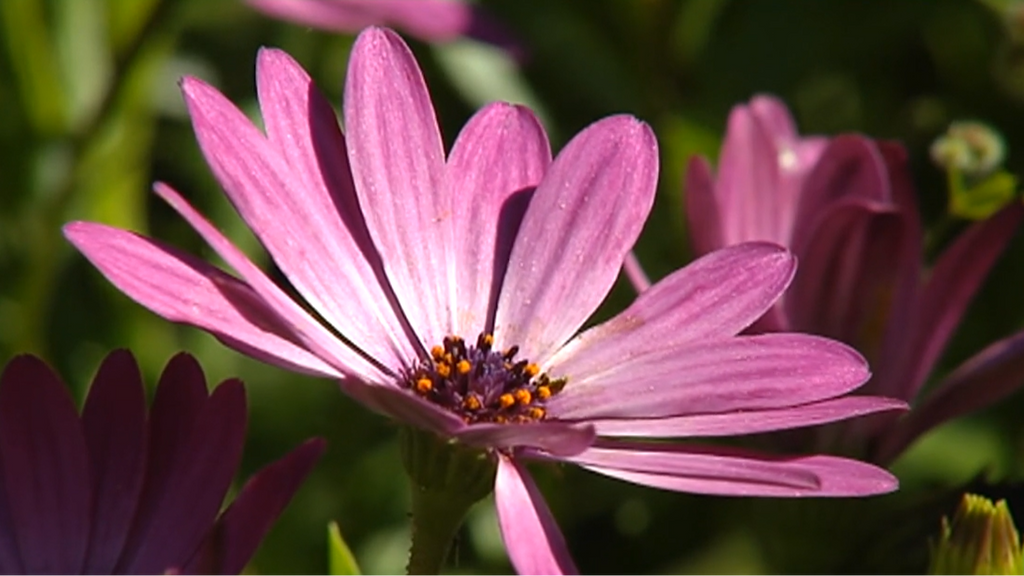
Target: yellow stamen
x,y
488,340
506,400
443,370
523,396
535,413
543,392
437,353
531,370
471,403
463,366
424,385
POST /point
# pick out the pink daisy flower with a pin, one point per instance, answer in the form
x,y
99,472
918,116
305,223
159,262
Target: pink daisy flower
x,y
846,206
449,293
118,490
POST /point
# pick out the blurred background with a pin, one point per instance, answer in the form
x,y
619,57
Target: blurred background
x,y
91,115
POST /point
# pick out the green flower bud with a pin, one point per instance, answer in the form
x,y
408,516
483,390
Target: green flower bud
x,y
971,148
981,539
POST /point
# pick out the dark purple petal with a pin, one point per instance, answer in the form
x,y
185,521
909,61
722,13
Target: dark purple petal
x,y
534,542
46,468
114,422
240,530
703,217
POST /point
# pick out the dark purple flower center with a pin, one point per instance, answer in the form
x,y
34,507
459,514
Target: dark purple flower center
x,y
481,384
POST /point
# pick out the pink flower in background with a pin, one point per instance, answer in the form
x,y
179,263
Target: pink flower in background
x,y
846,207
454,290
426,20
117,490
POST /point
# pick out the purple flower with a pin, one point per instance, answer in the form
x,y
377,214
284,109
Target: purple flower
x,y
453,291
846,207
118,490
427,20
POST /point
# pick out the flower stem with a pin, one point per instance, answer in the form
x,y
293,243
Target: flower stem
x,y
436,519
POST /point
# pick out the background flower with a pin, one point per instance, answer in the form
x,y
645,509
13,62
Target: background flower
x,y
120,490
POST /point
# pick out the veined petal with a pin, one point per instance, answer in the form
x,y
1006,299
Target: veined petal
x,y
340,264
114,423
498,159
45,467
286,216
850,167
702,213
558,438
735,472
582,220
534,542
714,297
184,289
749,199
741,373
397,161
849,272
748,421
229,546
201,470
309,332
955,279
987,377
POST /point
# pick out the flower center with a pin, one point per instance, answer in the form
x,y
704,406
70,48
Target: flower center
x,y
481,384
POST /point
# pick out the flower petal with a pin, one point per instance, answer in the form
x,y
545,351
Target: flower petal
x,y
534,542
114,422
741,373
774,117
498,159
559,438
397,161
327,250
987,377
310,333
199,477
289,218
702,215
580,224
734,472
45,467
748,421
184,289
955,279
239,531
714,297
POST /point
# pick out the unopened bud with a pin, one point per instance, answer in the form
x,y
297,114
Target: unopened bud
x,y
971,148
981,539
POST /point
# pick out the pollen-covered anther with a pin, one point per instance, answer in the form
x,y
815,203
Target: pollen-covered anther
x,y
479,383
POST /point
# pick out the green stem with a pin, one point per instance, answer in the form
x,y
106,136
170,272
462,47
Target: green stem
x,y
436,518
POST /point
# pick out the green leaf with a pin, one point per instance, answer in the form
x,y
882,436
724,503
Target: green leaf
x,y
980,201
339,558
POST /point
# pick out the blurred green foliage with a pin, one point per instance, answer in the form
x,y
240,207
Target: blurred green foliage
x,y
91,116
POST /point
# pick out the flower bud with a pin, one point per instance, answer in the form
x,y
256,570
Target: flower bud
x,y
981,539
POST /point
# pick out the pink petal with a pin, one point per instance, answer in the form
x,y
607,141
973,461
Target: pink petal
x,y
774,117
634,271
201,470
341,265
498,159
850,168
741,373
559,438
229,546
534,542
734,472
749,198
984,379
185,289
114,422
397,163
427,20
714,297
702,213
288,216
45,468
956,277
580,224
848,274
750,421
